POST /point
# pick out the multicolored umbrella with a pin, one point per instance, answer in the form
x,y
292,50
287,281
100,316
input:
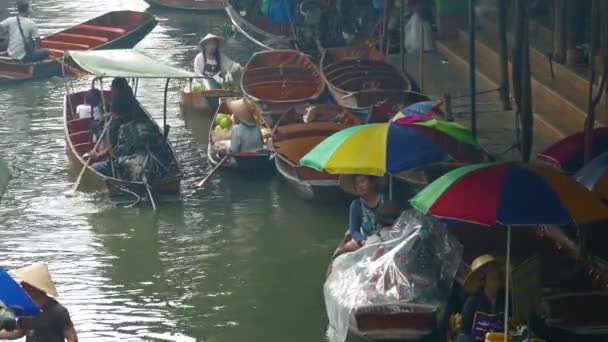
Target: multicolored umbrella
x,y
420,111
510,194
568,154
15,298
377,149
594,176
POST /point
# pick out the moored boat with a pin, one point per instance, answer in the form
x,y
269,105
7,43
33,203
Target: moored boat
x,y
79,140
360,77
189,5
260,30
277,80
297,132
243,161
113,30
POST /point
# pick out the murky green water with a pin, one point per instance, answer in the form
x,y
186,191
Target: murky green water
x,y
242,261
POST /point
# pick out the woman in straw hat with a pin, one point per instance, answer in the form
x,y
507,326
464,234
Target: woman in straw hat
x,y
483,311
246,135
53,323
362,222
211,61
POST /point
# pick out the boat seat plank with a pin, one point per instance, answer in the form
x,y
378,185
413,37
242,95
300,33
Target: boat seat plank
x,y
83,148
51,44
81,137
311,128
93,28
81,38
295,149
80,125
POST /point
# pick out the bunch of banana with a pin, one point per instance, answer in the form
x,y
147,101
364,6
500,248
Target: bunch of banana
x,y
455,321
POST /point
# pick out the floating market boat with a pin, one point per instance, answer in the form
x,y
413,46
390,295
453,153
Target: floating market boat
x,y
219,139
260,30
206,100
132,65
297,132
189,5
360,77
277,80
113,30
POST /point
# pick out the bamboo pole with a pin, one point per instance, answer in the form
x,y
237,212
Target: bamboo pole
x,y
384,38
504,57
526,113
402,35
421,59
472,67
590,120
559,31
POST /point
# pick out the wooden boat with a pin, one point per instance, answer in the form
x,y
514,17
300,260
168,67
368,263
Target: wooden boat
x,y
244,161
277,80
113,30
260,31
360,77
79,140
292,138
205,102
189,5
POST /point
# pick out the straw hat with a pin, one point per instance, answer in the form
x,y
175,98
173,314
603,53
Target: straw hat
x,y
38,276
208,37
242,109
473,281
388,213
347,183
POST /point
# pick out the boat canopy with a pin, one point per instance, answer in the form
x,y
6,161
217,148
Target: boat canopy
x,y
124,63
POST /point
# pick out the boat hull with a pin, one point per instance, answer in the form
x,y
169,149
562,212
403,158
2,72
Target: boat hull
x,y
203,103
94,181
80,38
189,5
308,183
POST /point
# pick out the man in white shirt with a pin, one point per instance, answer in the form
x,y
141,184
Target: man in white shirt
x,y
23,38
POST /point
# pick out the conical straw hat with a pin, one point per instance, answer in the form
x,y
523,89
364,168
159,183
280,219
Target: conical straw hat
x,y
243,109
38,276
208,37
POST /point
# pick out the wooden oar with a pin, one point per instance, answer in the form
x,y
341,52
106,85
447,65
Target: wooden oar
x,y
72,192
202,183
149,190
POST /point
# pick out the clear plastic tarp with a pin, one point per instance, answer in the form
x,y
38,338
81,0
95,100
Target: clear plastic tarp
x,y
397,287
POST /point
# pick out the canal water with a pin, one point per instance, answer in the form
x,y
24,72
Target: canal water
x,y
244,260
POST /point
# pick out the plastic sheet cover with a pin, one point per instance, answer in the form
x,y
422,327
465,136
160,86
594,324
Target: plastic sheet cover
x,y
415,264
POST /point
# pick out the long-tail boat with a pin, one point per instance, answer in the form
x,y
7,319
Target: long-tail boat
x,y
360,77
113,30
260,30
189,5
242,161
129,64
297,132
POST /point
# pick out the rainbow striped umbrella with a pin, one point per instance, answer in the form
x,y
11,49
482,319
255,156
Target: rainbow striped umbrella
x,y
377,149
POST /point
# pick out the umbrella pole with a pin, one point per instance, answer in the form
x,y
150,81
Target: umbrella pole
x,y
390,187
507,282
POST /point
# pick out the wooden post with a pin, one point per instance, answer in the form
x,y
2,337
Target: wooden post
x,y
590,120
527,116
447,100
472,68
559,31
402,35
504,55
384,39
421,59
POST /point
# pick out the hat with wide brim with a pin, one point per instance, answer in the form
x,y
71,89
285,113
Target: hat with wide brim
x,y
347,183
37,275
208,37
242,109
473,281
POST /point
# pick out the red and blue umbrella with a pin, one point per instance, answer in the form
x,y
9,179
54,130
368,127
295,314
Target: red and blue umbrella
x,y
568,154
15,298
419,111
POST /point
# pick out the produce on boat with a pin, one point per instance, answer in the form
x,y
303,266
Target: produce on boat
x,y
277,80
219,139
202,97
113,30
360,77
395,289
297,132
133,174
189,5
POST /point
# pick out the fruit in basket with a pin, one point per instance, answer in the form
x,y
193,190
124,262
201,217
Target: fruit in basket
x,y
219,117
198,88
225,122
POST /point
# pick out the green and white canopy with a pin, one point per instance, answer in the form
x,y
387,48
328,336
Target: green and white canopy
x,y
124,63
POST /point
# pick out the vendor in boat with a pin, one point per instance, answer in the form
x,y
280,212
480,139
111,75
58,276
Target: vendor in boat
x,y
121,111
483,311
362,222
246,135
211,61
23,37
53,323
